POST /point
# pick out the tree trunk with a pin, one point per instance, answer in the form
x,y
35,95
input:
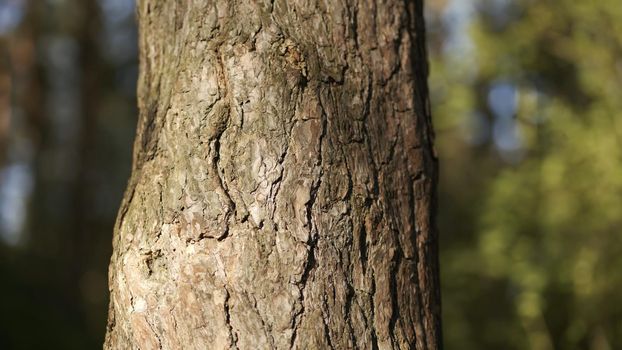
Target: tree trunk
x,y
283,185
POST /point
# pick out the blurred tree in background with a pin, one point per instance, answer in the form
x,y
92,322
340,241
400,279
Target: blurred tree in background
x,y
527,108
67,118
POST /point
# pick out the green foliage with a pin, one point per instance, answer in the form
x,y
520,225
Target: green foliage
x,y
538,236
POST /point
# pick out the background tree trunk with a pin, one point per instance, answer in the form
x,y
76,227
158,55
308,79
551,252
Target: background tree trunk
x,y
283,183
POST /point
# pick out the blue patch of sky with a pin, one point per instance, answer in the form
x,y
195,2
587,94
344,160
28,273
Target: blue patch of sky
x,y
460,51
16,185
119,34
11,13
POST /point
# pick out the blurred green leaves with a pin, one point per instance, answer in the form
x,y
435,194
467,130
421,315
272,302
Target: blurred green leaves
x,y
531,244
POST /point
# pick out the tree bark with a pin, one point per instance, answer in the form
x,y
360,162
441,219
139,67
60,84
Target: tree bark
x,y
283,184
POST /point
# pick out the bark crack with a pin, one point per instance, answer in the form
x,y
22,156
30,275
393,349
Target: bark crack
x,y
216,131
374,337
393,287
327,328
232,333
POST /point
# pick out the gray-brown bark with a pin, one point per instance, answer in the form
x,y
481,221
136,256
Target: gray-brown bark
x,y
283,183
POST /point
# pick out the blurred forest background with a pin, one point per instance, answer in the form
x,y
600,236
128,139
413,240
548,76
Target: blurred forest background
x,y
526,96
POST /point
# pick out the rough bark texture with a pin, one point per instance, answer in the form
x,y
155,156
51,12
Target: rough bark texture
x,y
282,193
